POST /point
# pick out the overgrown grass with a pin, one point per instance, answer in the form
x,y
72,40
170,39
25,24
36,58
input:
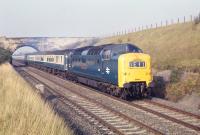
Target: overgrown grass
x,y
188,84
4,55
22,111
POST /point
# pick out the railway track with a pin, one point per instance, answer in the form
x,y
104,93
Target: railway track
x,y
111,121
183,118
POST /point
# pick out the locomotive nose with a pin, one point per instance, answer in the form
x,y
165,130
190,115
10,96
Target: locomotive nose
x,y
133,68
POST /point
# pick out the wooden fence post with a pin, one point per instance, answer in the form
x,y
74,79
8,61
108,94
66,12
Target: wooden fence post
x,y
199,16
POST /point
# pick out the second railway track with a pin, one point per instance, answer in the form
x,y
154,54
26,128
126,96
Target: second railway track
x,y
114,122
183,119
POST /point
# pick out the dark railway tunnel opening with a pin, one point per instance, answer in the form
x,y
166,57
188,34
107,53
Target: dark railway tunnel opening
x,y
19,54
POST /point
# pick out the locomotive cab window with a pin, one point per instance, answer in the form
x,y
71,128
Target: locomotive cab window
x,y
106,55
133,49
116,50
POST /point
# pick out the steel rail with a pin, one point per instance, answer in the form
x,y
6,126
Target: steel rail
x,y
131,120
196,128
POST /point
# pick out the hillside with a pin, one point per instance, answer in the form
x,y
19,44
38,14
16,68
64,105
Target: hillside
x,y
174,46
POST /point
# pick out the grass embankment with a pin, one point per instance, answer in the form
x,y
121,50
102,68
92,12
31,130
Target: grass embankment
x,y
4,55
22,111
175,47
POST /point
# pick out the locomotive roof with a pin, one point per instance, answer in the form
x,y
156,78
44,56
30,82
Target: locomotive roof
x,y
95,50
87,50
52,52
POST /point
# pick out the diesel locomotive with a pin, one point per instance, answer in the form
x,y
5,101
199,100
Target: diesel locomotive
x,y
121,70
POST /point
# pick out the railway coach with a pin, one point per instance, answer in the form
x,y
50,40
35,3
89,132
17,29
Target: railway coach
x,y
119,69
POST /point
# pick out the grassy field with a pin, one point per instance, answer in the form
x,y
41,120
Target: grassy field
x,y
4,55
22,111
174,46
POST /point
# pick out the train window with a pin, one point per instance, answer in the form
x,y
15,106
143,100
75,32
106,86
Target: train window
x,y
118,50
57,58
106,54
131,48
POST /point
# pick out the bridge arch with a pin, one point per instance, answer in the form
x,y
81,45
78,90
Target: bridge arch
x,y
32,46
35,48
19,54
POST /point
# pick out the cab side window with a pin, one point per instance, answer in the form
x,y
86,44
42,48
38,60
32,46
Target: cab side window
x,y
106,55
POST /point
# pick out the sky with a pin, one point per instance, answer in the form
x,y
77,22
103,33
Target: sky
x,y
87,18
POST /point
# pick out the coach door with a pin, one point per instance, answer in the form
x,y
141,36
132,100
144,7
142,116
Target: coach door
x,y
66,62
106,65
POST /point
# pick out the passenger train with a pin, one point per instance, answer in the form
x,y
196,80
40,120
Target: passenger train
x,y
121,70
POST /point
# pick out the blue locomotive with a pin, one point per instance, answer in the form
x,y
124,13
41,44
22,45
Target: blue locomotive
x,y
119,69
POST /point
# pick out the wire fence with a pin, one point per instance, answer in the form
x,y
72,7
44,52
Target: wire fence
x,y
181,20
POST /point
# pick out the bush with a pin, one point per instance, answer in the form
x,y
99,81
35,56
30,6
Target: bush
x,y
197,19
4,55
176,76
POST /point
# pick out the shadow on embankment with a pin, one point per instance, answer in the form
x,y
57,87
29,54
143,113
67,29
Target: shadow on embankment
x,y
159,89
